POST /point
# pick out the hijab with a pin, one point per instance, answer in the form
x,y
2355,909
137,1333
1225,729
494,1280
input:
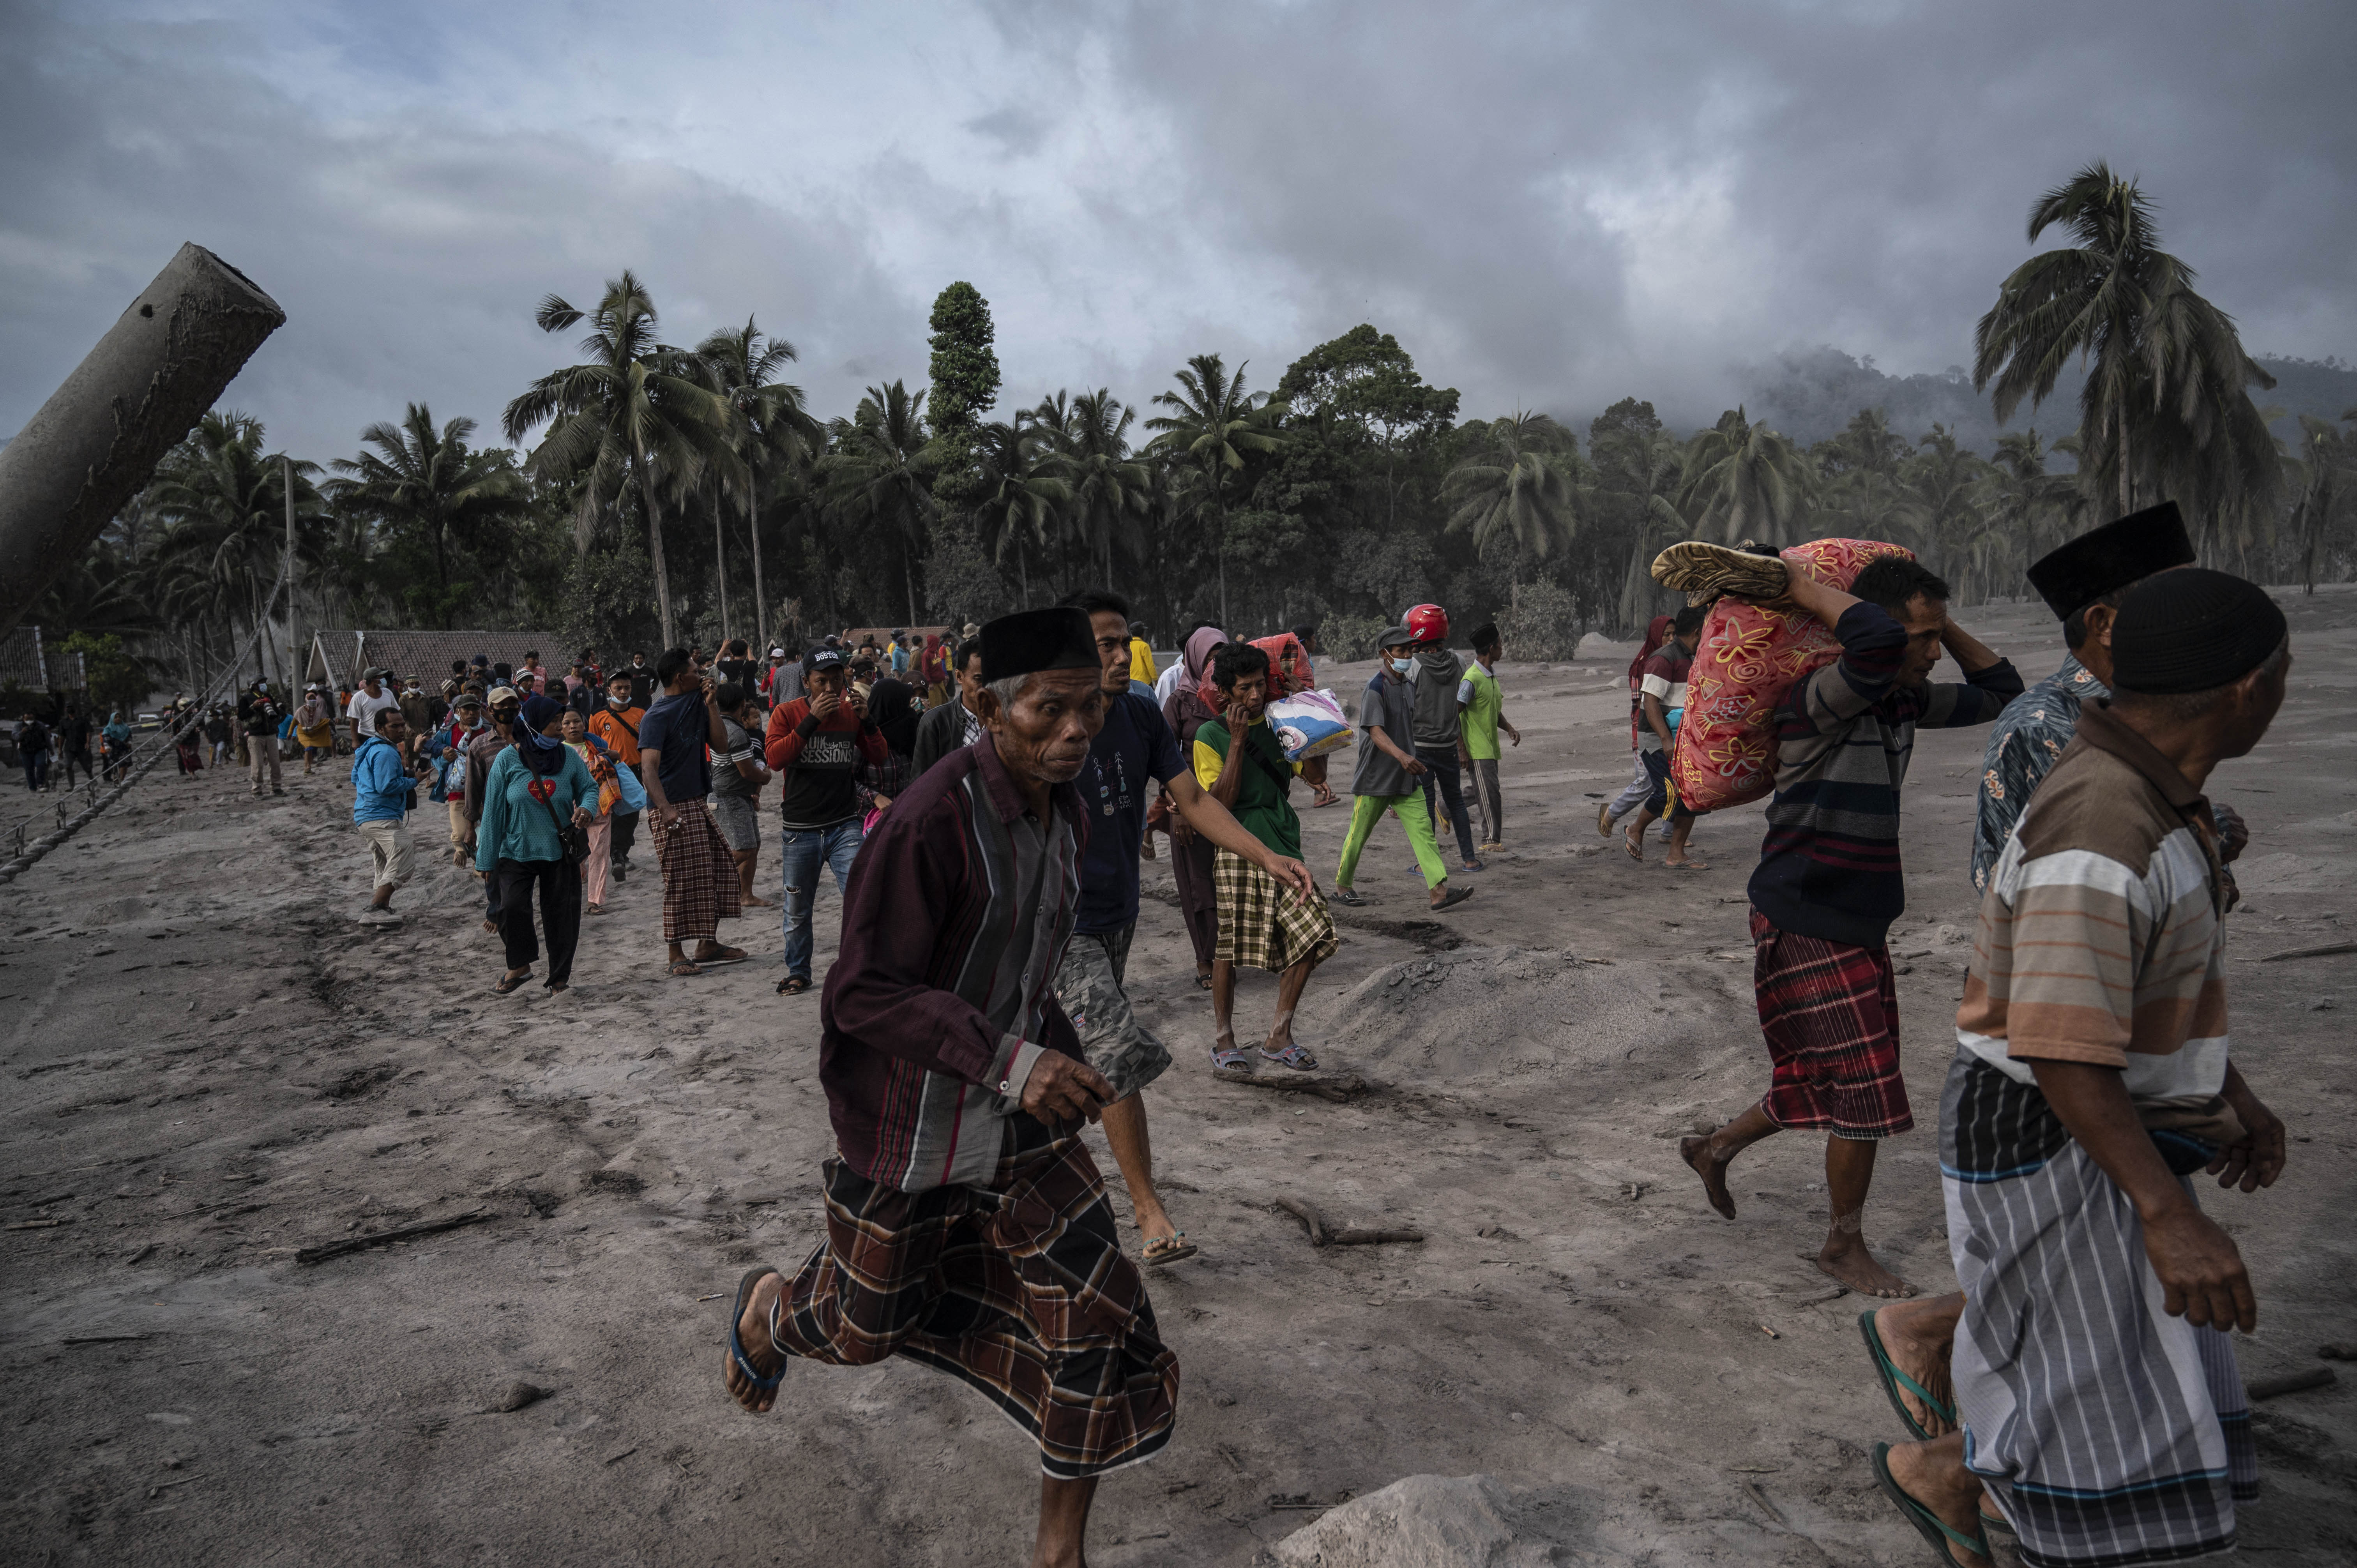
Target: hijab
x,y
1197,659
543,755
1656,633
891,703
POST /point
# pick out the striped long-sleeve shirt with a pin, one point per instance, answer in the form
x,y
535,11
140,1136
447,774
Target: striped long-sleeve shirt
x,y
2101,939
940,1002
1829,866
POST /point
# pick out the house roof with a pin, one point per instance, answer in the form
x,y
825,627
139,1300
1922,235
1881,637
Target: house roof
x,y
340,653
28,663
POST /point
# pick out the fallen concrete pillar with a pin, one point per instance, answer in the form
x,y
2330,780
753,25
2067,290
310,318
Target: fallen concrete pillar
x,y
101,435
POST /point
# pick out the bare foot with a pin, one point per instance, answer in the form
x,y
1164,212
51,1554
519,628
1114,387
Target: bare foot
x,y
1696,1152
1918,1337
1847,1260
752,903
753,1334
1681,861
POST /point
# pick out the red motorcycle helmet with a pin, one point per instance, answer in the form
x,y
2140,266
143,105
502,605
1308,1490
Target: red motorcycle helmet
x,y
1427,623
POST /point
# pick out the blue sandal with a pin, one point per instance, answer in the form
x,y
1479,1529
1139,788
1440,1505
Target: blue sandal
x,y
1233,1060
735,1315
1293,1056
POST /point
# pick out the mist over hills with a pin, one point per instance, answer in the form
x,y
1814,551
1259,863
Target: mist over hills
x,y
1809,395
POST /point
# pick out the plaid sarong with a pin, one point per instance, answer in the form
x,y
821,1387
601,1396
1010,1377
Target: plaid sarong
x,y
1830,1011
700,887
2106,1432
1020,1289
1264,925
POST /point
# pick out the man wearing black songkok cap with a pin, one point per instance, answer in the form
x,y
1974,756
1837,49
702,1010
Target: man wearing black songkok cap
x,y
967,1227
2102,1410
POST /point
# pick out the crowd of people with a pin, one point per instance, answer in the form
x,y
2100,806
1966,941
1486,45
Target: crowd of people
x,y
983,804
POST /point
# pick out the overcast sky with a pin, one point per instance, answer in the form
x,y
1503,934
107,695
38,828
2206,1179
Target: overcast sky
x,y
1551,204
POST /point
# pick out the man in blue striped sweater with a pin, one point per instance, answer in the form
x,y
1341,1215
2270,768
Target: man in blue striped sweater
x,y
1829,886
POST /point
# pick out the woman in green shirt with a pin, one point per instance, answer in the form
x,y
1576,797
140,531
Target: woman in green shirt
x,y
536,785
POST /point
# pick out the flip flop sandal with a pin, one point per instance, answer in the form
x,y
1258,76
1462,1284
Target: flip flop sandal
x,y
1348,895
1293,1056
735,1315
510,985
725,955
792,985
1235,1060
1472,865
1164,1250
1894,1381
1703,572
1604,820
1450,899
1202,983
1927,1524
685,967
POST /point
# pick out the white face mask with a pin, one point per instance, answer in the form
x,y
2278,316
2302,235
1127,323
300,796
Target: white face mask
x,y
1403,665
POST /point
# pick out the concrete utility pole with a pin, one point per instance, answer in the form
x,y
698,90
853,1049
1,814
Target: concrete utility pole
x,y
287,478
101,435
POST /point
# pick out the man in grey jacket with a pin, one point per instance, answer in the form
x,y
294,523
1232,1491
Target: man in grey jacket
x,y
944,729
1433,685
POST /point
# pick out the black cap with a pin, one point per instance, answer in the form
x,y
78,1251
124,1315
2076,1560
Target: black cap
x,y
823,657
2111,557
1030,641
2193,631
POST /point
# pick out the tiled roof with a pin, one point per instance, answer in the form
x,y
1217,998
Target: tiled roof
x,y
28,663
340,653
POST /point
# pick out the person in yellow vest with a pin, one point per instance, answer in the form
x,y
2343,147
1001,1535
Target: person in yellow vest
x,y
1141,655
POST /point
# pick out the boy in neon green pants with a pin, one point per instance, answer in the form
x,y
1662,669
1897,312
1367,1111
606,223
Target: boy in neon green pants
x,y
1386,778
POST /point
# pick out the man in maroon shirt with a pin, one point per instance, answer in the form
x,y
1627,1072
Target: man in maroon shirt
x,y
967,1227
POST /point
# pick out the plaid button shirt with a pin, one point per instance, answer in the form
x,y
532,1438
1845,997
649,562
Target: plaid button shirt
x,y
940,1000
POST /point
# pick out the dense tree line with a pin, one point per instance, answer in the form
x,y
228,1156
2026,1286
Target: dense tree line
x,y
654,494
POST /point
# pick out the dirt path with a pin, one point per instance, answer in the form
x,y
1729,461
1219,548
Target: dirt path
x,y
208,1067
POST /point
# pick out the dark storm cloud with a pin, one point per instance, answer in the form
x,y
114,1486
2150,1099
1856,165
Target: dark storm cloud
x,y
1551,205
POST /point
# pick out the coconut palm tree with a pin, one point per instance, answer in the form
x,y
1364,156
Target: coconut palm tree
x,y
1021,499
1516,481
879,472
2164,410
772,430
1212,423
426,478
2327,467
1743,480
2021,490
1110,488
632,406
222,502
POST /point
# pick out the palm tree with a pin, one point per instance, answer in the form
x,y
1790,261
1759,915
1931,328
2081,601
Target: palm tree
x,y
1516,481
2327,461
1743,480
879,471
1020,499
772,430
635,404
222,502
426,478
1110,488
2164,406
2021,489
1212,423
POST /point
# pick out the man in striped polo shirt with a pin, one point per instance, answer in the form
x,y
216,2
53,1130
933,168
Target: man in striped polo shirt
x,y
2103,1415
1828,886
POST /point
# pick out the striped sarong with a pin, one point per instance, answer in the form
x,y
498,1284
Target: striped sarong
x,y
1020,1289
1264,924
2108,1432
700,885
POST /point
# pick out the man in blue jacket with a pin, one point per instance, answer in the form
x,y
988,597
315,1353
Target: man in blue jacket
x,y
381,787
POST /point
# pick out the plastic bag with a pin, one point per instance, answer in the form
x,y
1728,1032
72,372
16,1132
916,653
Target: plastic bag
x,y
1309,723
1746,660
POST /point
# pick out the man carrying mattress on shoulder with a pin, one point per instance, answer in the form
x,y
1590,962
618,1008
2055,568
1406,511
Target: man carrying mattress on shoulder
x,y
1828,884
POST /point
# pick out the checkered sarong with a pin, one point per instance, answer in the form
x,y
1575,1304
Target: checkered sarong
x,y
1020,1289
700,887
1831,1014
1264,925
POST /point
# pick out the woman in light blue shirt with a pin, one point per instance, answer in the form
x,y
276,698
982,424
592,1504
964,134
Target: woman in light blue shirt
x,y
536,786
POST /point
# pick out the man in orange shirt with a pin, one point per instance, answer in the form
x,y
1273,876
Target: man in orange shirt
x,y
617,724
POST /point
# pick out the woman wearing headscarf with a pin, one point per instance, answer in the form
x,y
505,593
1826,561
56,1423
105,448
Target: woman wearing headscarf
x,y
1191,851
114,745
1641,784
933,669
893,706
315,727
536,786
599,760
